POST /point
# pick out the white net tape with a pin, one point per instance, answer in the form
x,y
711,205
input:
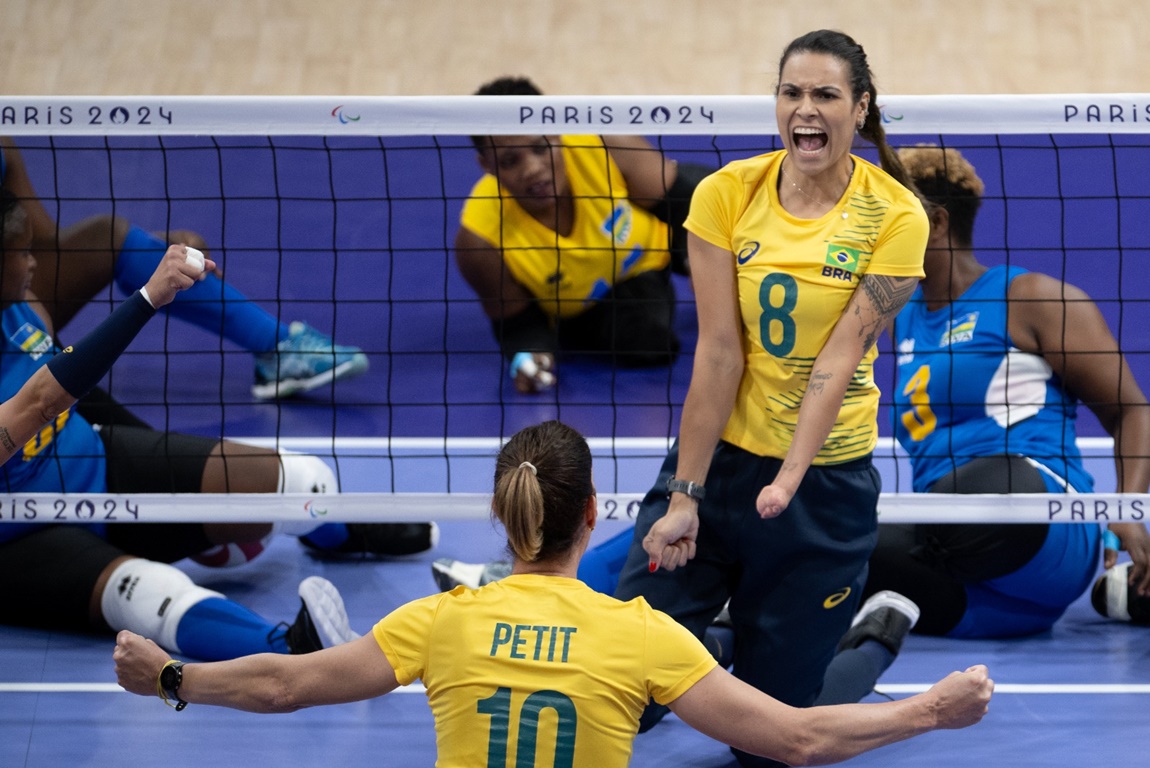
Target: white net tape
x,y
486,115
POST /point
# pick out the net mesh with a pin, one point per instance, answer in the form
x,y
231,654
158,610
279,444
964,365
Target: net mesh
x,y
343,215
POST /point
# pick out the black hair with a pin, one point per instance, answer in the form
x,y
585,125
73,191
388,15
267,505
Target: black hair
x,y
504,86
843,47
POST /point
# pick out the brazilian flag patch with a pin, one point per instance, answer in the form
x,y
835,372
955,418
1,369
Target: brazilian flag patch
x,y
842,257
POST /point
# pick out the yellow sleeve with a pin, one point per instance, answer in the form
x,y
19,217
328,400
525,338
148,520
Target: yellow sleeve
x,y
901,246
404,636
676,659
712,203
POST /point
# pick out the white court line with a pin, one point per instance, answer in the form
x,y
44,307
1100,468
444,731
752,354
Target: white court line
x,y
1029,688
1064,688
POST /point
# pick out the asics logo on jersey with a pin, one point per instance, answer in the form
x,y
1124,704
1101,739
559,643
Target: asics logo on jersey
x,y
836,598
748,252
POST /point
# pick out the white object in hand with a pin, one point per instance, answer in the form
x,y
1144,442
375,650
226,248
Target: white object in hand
x,y
195,256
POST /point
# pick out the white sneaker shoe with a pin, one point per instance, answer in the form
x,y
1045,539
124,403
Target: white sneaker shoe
x,y
322,621
449,574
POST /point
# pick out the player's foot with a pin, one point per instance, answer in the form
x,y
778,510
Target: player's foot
x,y
365,540
1114,597
306,359
322,619
449,574
887,617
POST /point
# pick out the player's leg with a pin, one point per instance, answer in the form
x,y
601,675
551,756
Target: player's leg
x,y
148,461
631,326
68,578
68,278
803,574
290,357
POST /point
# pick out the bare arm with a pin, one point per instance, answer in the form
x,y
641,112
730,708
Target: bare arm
x,y
1062,324
266,682
648,173
505,298
481,265
727,709
871,309
715,377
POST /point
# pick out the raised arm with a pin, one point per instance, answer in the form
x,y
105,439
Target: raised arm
x,y
70,374
266,682
871,309
648,173
1062,324
727,709
715,377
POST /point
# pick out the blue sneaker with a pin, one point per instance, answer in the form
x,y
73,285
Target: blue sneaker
x,y
306,359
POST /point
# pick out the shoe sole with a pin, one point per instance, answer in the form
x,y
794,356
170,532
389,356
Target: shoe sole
x,y
274,390
328,613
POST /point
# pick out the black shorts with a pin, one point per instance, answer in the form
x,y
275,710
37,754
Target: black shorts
x,y
142,460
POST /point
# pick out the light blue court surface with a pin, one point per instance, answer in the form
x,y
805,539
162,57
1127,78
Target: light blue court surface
x,y
1077,696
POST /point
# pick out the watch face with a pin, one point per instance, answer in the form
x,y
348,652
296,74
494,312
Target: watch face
x,y
170,677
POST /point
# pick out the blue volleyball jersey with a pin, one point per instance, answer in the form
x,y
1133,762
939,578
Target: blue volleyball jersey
x,y
66,455
964,390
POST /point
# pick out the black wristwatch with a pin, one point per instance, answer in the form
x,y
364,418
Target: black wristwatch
x,y
694,490
171,676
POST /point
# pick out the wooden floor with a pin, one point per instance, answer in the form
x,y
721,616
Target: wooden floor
x,y
601,47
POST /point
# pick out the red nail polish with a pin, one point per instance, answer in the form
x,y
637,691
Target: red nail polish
x,y
653,566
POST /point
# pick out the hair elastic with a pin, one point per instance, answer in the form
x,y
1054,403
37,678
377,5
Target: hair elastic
x,y
530,466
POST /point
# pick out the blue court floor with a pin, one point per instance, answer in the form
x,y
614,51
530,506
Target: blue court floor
x,y
1077,696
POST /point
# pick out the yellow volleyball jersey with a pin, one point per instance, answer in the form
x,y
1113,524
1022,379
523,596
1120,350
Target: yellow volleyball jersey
x,y
611,239
795,278
539,670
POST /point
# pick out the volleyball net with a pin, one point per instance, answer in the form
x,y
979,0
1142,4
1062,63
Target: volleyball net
x,y
342,212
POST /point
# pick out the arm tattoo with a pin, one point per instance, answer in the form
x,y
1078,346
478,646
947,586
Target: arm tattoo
x,y
888,295
6,440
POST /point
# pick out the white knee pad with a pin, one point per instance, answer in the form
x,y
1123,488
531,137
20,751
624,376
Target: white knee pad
x,y
150,598
301,473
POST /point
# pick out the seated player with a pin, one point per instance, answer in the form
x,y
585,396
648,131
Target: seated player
x,y
72,455
566,687
94,577
79,261
992,365
570,241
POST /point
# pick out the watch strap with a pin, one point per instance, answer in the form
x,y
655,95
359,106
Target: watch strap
x,y
690,488
168,684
